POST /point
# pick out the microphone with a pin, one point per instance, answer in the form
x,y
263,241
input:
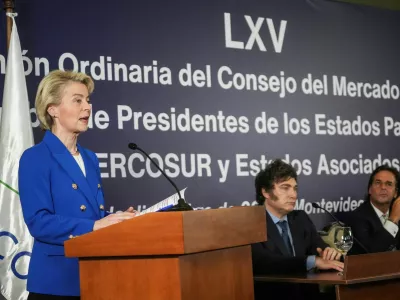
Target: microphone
x,y
316,205
182,204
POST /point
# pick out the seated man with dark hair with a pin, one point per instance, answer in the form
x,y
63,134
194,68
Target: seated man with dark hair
x,y
373,223
293,244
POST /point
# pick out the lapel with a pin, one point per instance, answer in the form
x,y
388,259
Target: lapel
x,y
91,175
376,222
297,235
274,235
68,163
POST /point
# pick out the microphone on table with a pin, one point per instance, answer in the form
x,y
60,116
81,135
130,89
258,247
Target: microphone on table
x,y
182,204
316,205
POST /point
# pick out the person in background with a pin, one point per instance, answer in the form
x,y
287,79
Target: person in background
x,y
375,223
293,244
60,186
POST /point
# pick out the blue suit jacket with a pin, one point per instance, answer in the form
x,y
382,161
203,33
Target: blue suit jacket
x,y
58,203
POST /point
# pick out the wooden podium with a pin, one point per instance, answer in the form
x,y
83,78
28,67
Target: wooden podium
x,y
171,255
366,276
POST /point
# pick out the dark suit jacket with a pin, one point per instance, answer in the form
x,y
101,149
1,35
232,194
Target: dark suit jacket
x,y
272,257
58,203
368,229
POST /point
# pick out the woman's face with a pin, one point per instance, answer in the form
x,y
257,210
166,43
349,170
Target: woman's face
x,y
72,114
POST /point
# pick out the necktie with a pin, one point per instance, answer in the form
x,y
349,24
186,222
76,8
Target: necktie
x,y
285,236
384,218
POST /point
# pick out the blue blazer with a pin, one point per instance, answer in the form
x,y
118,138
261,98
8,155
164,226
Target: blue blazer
x,y
58,203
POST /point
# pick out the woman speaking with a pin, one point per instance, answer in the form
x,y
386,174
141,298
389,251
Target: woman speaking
x,y
60,186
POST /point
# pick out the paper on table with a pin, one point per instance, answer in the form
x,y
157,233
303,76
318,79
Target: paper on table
x,y
168,202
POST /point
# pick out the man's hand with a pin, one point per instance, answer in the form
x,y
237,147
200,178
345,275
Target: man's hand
x,y
324,264
395,212
329,253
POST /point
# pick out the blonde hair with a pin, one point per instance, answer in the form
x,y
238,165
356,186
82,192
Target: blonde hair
x,y
50,92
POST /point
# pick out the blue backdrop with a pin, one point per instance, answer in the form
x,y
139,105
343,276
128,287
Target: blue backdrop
x,y
216,89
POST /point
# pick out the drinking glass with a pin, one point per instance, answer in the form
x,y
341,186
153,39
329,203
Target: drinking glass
x,y
343,240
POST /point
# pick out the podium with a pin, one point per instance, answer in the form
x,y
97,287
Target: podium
x,y
171,255
366,276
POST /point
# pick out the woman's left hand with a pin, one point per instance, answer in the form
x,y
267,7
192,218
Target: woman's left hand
x,y
132,210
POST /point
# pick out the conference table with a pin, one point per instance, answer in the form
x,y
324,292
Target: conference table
x,y
366,276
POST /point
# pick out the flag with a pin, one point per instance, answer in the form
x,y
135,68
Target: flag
x,y
15,136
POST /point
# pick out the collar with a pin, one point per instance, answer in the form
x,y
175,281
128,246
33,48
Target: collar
x,y
276,219
55,144
377,211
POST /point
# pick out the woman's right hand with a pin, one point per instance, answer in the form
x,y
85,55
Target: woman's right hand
x,y
113,219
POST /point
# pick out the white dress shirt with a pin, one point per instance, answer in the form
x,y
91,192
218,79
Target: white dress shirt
x,y
391,227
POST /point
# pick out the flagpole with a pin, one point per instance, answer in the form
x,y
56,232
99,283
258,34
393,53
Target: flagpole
x,y
8,8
